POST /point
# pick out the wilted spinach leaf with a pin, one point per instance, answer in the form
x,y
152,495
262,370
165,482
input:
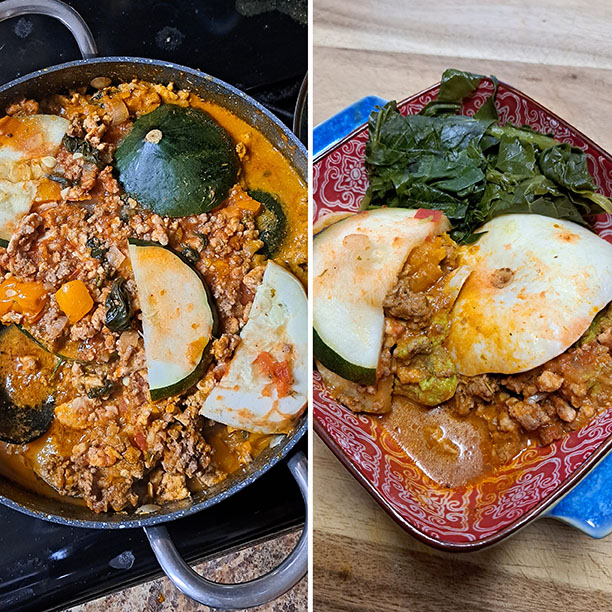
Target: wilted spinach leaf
x,y
473,168
118,307
90,154
96,248
102,391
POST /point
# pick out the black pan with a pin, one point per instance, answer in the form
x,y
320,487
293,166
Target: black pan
x,y
120,69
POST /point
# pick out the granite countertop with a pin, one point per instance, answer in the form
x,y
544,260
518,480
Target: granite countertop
x,y
240,566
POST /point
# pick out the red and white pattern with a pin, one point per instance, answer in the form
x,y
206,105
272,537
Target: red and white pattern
x,y
497,503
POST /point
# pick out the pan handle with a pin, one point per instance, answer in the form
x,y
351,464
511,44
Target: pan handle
x,y
245,594
61,11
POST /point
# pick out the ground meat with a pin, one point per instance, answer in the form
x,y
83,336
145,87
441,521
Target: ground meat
x,y
25,233
501,277
483,387
51,325
404,304
605,338
548,381
564,410
462,402
223,349
22,108
530,415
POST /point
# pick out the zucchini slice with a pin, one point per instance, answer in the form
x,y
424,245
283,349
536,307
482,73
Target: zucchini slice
x,y
266,385
179,318
177,161
27,147
356,263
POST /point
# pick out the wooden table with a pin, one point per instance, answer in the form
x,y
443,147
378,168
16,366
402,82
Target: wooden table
x,y
561,55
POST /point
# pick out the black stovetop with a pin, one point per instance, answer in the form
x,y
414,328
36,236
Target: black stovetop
x,y
44,566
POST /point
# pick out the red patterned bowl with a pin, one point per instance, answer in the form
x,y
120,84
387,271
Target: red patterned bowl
x,y
472,517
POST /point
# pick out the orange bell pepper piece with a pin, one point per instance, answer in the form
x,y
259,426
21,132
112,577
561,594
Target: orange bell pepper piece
x,y
74,300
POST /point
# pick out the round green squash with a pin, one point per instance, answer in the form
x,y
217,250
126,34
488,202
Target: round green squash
x,y
177,161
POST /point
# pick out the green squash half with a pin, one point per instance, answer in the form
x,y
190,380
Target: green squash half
x,y
26,415
177,161
179,319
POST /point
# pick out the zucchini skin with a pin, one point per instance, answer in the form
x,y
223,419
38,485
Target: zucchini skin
x,y
339,365
271,222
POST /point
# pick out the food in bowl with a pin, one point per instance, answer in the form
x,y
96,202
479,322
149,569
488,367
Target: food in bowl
x,y
152,242
474,326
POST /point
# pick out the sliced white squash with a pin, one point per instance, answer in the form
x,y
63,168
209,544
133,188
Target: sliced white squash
x,y
247,397
178,318
27,147
536,285
357,261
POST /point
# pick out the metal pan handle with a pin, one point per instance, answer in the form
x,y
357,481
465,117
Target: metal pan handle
x,y
246,594
54,8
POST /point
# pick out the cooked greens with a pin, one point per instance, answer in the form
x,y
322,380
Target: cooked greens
x,y
473,168
118,307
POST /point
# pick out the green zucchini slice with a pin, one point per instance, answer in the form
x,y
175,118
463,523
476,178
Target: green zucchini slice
x,y
179,318
177,161
271,222
357,261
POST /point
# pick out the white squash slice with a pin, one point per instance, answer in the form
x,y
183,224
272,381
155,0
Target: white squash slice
x,y
357,261
178,318
27,149
266,385
537,283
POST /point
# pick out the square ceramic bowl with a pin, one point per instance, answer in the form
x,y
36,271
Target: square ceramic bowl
x,y
532,485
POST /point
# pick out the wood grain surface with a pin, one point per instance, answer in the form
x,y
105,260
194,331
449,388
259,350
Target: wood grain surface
x,y
559,53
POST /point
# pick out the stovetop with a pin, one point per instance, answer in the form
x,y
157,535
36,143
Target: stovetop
x,y
263,51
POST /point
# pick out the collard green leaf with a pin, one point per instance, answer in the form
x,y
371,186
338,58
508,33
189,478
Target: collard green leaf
x,y
473,168
568,167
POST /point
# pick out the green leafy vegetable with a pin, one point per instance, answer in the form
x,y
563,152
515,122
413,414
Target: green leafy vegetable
x,y
90,154
96,248
103,391
473,168
118,307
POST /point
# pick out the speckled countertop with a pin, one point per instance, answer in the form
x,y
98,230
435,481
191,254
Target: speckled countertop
x,y
246,564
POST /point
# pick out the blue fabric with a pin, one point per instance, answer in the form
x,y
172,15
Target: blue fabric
x,y
588,506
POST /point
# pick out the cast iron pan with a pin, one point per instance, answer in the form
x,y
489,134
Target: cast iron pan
x,y
121,69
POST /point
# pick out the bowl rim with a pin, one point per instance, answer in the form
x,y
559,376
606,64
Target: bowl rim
x,y
547,502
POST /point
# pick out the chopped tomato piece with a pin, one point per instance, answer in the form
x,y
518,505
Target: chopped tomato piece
x,y
278,371
425,213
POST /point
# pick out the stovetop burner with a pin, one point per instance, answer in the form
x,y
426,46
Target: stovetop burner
x,y
44,566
